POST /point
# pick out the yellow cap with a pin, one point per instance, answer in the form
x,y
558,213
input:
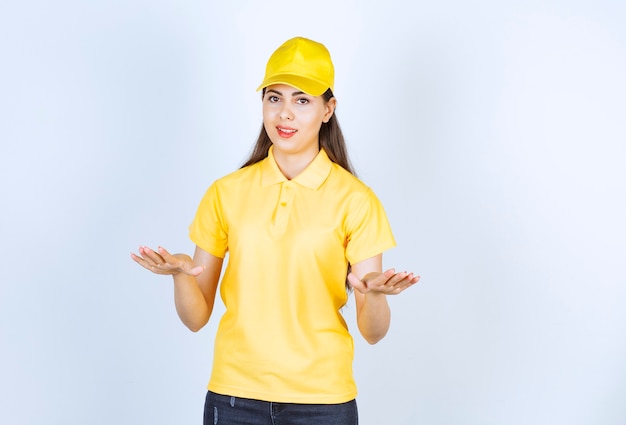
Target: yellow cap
x,y
301,63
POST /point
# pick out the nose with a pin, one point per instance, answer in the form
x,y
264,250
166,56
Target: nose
x,y
285,112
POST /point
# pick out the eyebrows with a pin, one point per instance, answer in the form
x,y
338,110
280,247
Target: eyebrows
x,y
295,93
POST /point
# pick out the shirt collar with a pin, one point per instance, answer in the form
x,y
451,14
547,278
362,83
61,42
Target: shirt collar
x,y
311,177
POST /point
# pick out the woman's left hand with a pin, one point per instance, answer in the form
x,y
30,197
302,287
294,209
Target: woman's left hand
x,y
388,282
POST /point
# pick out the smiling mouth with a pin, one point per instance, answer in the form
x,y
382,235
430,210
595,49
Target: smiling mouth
x,y
286,132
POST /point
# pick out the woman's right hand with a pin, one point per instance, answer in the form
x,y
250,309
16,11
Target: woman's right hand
x,y
162,262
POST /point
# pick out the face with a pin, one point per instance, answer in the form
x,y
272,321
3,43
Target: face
x,y
293,119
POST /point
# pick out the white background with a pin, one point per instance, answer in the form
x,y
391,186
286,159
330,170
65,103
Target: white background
x,y
494,132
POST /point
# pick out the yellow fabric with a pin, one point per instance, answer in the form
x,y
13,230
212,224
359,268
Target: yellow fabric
x,y
282,337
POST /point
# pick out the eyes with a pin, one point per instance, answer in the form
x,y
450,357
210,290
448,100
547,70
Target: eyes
x,y
300,100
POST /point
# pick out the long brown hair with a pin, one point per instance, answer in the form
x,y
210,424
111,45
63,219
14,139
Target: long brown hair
x,y
330,139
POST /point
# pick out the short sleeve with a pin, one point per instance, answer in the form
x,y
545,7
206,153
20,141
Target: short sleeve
x,y
208,230
368,230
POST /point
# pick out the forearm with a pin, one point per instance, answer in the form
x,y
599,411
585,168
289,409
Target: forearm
x,y
192,307
374,317
371,288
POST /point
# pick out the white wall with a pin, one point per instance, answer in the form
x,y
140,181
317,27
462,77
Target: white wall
x,y
493,131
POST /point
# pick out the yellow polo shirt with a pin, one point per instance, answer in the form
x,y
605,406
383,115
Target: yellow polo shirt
x,y
282,337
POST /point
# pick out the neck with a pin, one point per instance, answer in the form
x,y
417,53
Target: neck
x,y
293,164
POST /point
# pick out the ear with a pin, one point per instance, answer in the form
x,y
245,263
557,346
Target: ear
x,y
330,109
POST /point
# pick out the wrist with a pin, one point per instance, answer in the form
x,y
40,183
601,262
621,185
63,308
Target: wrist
x,y
375,296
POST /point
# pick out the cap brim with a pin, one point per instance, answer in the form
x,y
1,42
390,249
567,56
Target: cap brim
x,y
307,85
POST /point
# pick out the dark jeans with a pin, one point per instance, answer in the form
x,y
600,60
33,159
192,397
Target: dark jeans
x,y
226,410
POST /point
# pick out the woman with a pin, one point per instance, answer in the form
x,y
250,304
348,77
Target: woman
x,y
293,219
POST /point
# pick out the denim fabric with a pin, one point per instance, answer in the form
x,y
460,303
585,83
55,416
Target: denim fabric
x,y
226,410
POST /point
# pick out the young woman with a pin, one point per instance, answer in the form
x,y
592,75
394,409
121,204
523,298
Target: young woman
x,y
301,231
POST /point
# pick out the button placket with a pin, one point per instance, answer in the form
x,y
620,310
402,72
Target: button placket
x,y
285,202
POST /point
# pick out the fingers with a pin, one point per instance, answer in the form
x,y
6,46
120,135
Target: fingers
x,y
165,255
162,262
377,279
157,262
400,282
390,282
148,259
151,255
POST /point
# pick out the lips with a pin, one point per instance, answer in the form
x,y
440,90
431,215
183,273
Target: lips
x,y
286,132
